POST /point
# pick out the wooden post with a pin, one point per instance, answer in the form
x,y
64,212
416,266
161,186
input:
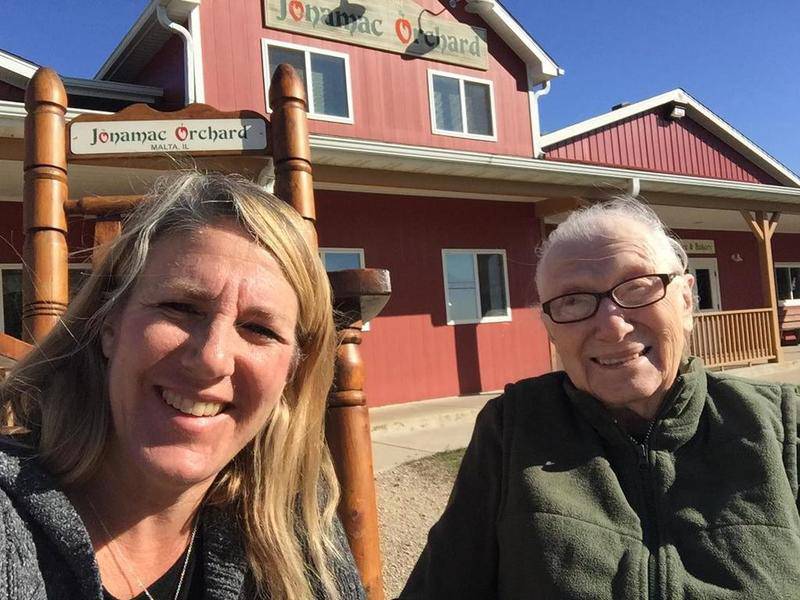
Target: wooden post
x,y
763,227
347,428
45,281
291,150
359,294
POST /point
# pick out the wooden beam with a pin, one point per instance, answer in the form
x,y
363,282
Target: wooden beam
x,y
773,223
557,206
753,224
101,205
763,227
105,231
717,203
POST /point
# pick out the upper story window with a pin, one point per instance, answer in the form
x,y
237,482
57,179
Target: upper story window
x,y
787,280
461,106
476,286
326,76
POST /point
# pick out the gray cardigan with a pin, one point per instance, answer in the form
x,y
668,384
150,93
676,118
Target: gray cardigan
x,y
46,553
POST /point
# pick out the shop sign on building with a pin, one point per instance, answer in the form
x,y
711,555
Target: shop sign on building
x,y
159,136
402,26
699,246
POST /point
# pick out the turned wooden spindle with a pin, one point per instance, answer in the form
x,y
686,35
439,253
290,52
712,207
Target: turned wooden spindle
x,y
359,295
347,427
45,281
291,151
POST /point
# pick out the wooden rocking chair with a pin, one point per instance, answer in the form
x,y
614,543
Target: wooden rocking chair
x,y
359,294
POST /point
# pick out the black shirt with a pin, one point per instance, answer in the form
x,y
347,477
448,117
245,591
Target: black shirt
x,y
165,586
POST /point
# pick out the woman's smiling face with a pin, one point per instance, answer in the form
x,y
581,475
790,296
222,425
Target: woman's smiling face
x,y
626,358
198,356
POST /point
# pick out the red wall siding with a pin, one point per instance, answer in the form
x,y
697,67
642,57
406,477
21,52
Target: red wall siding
x,y
411,353
11,93
390,93
166,70
80,235
652,143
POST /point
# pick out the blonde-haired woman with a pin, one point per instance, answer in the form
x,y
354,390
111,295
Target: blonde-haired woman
x,y
167,441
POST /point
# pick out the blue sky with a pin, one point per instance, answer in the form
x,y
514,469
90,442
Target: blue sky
x,y
738,57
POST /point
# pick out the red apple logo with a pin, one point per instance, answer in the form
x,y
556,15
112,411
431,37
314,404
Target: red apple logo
x,y
402,28
296,9
181,133
103,136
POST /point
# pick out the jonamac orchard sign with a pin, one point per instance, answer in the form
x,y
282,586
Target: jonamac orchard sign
x,y
401,26
153,137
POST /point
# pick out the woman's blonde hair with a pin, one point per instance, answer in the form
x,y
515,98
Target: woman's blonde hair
x,y
281,485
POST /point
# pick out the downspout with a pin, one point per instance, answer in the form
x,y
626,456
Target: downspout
x,y
635,187
533,102
188,45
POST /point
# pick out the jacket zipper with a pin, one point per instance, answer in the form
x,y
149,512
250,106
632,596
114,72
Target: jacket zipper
x,y
650,527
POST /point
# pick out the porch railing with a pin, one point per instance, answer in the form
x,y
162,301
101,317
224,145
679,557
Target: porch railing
x,y
733,337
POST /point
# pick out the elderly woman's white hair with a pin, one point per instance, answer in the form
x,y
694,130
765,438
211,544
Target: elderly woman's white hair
x,y
592,221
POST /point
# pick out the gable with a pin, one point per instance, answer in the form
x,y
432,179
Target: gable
x,y
650,142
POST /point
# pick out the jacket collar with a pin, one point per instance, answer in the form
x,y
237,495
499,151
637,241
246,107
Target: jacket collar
x,y
36,493
677,419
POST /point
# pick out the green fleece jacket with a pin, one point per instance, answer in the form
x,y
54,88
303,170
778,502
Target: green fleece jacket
x,y
555,500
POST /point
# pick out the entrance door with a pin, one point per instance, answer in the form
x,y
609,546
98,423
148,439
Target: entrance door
x,y
706,284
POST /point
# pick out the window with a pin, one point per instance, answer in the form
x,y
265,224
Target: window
x,y
11,289
327,88
787,282
476,286
338,259
461,106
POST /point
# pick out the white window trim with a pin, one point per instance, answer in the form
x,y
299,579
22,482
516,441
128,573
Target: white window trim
x,y
791,265
266,42
18,267
461,79
360,251
475,251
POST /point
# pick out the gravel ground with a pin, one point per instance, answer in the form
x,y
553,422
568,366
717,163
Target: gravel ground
x,y
410,499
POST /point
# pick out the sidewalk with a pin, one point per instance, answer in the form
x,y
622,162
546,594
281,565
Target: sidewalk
x,y
405,432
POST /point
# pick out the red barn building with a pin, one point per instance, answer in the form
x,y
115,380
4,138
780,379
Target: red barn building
x,y
429,161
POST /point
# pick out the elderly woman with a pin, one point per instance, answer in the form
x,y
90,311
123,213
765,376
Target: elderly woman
x,y
166,441
635,473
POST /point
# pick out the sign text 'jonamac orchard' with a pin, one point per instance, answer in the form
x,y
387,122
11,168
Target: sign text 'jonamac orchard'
x,y
401,26
154,137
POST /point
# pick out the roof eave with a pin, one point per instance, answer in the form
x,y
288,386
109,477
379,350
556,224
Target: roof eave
x,y
540,64
336,151
177,10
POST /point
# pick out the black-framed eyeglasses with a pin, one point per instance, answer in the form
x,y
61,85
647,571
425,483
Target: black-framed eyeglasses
x,y
636,292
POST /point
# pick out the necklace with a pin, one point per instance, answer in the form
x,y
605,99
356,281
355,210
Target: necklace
x,y
129,565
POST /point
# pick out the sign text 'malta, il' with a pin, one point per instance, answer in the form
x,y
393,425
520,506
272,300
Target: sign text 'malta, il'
x,y
402,26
